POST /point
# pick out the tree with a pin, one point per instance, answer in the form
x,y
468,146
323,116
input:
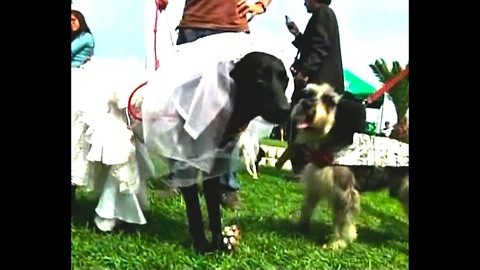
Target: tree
x,y
398,92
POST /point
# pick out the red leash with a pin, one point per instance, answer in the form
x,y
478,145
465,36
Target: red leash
x,y
386,87
159,9
131,109
161,5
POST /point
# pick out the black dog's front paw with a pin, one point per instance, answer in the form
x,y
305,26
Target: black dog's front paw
x,y
202,247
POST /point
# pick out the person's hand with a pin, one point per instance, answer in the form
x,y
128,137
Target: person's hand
x,y
243,8
161,4
301,79
293,28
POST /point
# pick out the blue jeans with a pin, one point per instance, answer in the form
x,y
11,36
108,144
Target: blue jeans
x,y
228,181
187,35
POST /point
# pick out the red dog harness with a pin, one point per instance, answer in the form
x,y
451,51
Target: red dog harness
x,y
319,157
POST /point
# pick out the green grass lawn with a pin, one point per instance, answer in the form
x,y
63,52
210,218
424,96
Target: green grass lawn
x,y
273,142
269,241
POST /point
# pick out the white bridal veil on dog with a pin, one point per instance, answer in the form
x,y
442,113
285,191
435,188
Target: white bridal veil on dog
x,y
187,105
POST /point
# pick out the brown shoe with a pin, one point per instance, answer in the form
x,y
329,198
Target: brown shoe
x,y
231,200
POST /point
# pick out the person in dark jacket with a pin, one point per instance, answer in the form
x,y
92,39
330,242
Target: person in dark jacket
x,y
319,59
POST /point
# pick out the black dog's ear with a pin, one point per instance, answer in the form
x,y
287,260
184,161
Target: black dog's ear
x,y
251,65
235,72
240,69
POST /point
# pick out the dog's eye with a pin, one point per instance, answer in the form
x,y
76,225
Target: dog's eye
x,y
328,100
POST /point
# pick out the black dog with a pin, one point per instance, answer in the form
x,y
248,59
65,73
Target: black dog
x,y
260,80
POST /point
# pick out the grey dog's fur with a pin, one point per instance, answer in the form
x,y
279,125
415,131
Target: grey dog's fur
x,y
341,186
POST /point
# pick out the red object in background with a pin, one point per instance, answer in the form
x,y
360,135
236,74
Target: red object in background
x,y
387,86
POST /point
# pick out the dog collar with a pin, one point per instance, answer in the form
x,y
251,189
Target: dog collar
x,y
321,157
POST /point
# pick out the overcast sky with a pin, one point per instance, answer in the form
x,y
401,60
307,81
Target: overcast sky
x,y
369,29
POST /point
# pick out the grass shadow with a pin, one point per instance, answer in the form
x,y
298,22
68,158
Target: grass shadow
x,y
284,227
389,220
274,172
392,227
166,227
372,237
393,230
375,237
83,211
160,226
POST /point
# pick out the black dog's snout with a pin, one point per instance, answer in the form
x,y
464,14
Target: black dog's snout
x,y
280,116
277,112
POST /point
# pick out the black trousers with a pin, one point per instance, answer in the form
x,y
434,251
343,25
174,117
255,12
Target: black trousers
x,y
211,188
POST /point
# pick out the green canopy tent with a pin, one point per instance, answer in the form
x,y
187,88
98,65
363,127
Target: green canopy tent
x,y
360,89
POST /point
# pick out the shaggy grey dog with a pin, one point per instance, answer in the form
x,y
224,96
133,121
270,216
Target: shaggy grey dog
x,y
340,185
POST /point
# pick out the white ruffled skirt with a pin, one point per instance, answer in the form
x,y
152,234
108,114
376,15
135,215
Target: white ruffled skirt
x,y
107,157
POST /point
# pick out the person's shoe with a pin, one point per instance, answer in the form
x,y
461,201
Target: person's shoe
x,y
231,200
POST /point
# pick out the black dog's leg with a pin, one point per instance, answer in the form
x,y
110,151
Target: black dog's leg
x,y
298,159
194,217
261,154
211,189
